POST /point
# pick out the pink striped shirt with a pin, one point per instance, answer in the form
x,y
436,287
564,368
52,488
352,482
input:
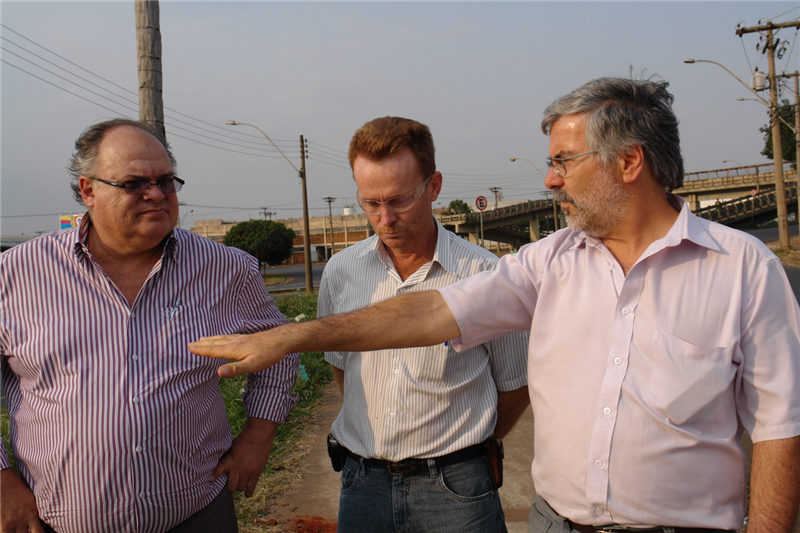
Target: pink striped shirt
x,y
114,424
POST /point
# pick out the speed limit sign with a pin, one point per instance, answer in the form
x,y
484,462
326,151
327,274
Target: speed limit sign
x,y
481,203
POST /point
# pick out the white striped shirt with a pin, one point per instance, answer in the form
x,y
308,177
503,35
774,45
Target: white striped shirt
x,y
114,424
417,402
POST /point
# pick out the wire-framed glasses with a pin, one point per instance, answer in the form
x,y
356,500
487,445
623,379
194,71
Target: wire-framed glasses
x,y
398,204
557,163
140,187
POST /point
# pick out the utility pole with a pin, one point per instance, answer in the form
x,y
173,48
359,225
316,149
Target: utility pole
x,y
148,48
777,149
330,200
796,123
496,191
306,232
266,213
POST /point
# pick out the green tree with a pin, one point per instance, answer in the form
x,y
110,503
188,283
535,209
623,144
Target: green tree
x,y
788,141
269,242
457,207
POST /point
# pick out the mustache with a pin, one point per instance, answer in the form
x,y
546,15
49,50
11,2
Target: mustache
x,y
560,196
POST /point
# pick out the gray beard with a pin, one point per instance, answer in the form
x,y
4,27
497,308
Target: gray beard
x,y
600,208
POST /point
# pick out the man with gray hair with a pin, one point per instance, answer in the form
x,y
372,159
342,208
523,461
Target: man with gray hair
x,y
115,426
657,337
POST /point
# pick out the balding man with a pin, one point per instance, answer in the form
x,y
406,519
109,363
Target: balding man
x,y
115,426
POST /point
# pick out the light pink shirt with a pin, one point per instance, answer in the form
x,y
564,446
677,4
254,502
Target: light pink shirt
x,y
641,385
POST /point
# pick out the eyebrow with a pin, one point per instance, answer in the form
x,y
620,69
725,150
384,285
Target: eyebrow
x,y
135,177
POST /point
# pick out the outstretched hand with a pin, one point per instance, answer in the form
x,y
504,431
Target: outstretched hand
x,y
251,352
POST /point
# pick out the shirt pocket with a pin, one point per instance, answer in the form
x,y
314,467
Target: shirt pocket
x,y
688,381
186,324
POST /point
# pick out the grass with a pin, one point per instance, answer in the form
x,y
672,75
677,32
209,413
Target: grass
x,y
252,512
278,473
273,280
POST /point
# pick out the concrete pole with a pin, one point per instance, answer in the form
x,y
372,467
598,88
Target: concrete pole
x,y
148,48
777,149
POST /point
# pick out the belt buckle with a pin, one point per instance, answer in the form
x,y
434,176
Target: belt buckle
x,y
401,468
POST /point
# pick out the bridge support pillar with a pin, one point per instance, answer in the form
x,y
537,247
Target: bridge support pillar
x,y
475,238
694,203
533,225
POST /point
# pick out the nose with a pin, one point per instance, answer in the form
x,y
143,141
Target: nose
x,y
387,216
153,193
552,180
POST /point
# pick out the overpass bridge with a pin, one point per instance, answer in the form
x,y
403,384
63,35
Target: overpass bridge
x,y
728,190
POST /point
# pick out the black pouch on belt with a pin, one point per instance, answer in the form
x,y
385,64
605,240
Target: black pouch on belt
x,y
336,452
494,456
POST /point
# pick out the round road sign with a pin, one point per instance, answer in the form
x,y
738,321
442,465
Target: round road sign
x,y
753,192
481,203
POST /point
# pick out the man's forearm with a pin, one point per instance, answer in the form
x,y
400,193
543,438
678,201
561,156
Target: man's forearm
x,y
414,319
774,486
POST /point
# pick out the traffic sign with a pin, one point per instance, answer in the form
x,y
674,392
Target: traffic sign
x,y
481,203
753,192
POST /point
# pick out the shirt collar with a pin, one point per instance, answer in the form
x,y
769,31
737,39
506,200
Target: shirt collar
x,y
171,247
441,253
686,227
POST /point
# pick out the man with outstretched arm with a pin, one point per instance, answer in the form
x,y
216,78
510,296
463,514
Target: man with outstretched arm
x,y
657,337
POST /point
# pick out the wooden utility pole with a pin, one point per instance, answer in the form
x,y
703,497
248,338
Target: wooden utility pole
x,y
330,200
777,149
306,232
148,48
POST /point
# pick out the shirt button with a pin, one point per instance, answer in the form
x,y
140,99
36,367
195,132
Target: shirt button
x,y
138,449
396,371
625,311
141,494
135,399
611,266
598,511
391,413
607,410
133,315
598,463
617,360
135,357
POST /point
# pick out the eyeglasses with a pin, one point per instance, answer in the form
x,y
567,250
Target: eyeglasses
x,y
557,163
398,204
141,187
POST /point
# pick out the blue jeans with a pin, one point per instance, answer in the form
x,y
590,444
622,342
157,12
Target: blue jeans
x,y
454,499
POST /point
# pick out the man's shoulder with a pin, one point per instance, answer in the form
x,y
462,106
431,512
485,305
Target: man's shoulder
x,y
735,243
201,248
465,254
43,245
350,254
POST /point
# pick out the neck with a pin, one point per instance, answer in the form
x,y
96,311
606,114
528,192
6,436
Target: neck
x,y
408,261
648,217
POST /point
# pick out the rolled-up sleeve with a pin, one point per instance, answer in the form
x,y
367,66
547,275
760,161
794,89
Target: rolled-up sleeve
x,y
269,391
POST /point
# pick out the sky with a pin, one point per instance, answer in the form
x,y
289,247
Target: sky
x,y
479,74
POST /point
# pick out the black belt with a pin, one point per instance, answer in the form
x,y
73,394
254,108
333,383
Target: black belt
x,y
408,467
618,529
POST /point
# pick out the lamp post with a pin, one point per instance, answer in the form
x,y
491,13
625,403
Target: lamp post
x,y
555,207
302,175
777,152
184,217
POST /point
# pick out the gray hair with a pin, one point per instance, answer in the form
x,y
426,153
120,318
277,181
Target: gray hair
x,y
88,144
623,113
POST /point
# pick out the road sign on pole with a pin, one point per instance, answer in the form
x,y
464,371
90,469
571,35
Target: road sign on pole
x,y
481,203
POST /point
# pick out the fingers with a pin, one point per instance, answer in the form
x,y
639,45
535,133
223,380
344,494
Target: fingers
x,y
220,346
223,466
250,364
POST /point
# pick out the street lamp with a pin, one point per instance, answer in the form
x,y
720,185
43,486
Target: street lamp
x,y
184,217
777,151
302,175
555,207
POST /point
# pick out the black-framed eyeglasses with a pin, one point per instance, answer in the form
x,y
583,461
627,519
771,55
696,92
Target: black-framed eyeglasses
x,y
140,187
398,204
557,163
